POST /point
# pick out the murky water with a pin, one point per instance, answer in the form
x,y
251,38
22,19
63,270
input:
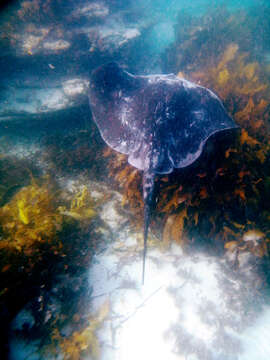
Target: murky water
x,y
71,210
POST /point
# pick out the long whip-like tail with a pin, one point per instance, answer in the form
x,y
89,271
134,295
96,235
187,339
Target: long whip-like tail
x,y
145,235
148,190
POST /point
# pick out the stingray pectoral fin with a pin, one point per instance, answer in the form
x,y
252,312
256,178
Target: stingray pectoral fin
x,y
161,122
148,191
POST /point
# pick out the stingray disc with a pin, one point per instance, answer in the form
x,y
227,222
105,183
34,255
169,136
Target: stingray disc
x,y
161,121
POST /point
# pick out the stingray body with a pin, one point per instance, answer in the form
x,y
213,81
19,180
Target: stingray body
x,y
161,122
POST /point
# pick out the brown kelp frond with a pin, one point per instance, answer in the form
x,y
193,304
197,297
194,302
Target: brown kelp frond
x,y
243,87
174,228
84,341
235,200
128,180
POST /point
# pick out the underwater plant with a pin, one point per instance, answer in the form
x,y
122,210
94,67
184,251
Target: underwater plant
x,y
14,174
83,341
29,218
243,86
79,152
81,206
236,201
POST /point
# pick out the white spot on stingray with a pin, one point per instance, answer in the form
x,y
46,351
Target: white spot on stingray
x,y
188,84
169,79
199,115
125,115
127,99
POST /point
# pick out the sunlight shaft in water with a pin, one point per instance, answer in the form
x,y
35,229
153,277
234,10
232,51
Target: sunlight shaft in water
x,y
143,335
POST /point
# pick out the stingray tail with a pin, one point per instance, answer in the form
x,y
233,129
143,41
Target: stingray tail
x,y
148,191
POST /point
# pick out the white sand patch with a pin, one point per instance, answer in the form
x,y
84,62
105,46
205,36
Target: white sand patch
x,y
191,307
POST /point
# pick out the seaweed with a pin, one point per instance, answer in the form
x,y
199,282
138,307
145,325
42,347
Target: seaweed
x,y
47,239
128,181
228,203
243,87
200,40
76,153
30,217
14,174
81,206
83,341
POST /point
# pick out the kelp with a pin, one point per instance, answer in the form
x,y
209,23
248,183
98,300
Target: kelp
x,y
46,233
79,152
33,215
234,200
84,341
14,174
81,206
243,87
233,74
128,180
174,228
29,218
201,40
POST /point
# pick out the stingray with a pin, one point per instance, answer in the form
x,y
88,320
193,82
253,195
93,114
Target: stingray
x,y
162,122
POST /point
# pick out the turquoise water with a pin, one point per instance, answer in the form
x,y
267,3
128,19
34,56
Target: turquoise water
x,y
166,13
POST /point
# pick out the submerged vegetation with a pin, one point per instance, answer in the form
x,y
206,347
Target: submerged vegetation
x,y
29,218
74,153
216,51
33,217
43,233
244,88
84,341
227,212
81,206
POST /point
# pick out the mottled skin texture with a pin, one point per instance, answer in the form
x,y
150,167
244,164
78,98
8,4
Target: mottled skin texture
x,y
161,122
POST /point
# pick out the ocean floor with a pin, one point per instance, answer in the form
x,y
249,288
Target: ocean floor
x,y
191,306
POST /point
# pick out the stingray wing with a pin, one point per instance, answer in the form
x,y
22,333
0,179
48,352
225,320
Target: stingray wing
x,y
112,98
202,116
179,117
162,122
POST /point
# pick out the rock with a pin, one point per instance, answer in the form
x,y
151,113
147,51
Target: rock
x,y
56,45
110,37
46,63
189,305
25,320
22,102
110,215
74,87
91,10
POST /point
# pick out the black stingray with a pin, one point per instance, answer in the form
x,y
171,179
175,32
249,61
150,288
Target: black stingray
x,y
161,122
